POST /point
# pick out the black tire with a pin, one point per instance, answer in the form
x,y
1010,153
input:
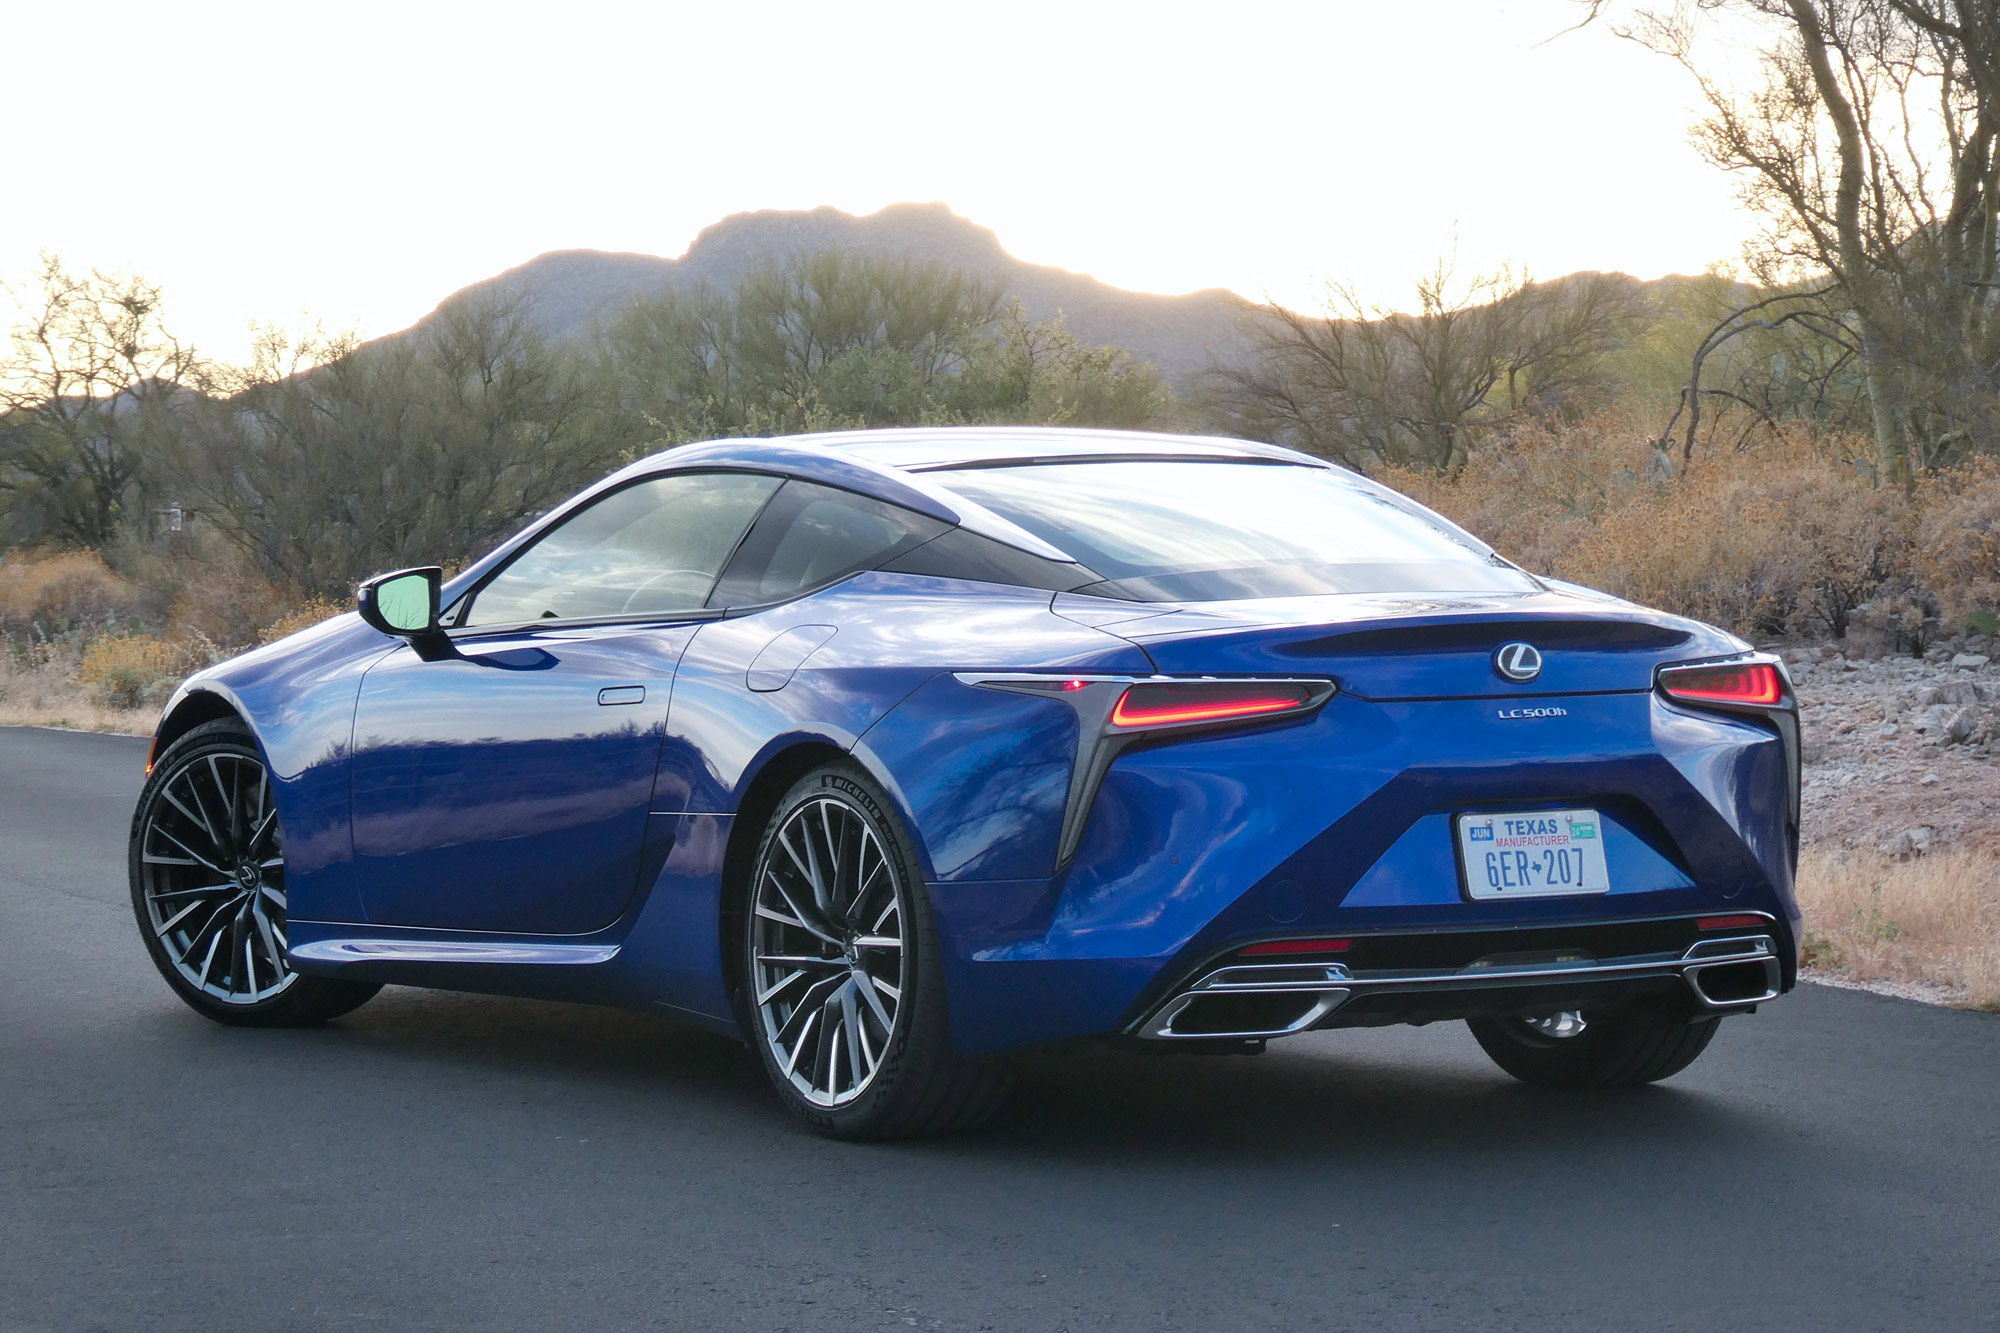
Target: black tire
x,y
206,862
1621,1049
834,879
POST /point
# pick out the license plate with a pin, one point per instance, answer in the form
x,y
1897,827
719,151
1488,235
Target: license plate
x,y
1532,854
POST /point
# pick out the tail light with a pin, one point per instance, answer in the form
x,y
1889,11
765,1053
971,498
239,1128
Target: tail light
x,y
1750,686
1727,684
1189,702
1114,713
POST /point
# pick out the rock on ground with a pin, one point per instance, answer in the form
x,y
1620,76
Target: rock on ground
x,y
1902,754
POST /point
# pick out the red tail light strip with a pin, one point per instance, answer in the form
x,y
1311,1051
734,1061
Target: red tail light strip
x,y
1740,921
1754,684
1169,703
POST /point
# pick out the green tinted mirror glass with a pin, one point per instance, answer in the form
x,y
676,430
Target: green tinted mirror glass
x,y
405,603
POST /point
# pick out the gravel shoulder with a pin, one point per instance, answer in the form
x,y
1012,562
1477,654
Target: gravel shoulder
x,y
1902,755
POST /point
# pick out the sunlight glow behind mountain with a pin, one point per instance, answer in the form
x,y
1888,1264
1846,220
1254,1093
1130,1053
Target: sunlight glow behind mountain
x,y
359,162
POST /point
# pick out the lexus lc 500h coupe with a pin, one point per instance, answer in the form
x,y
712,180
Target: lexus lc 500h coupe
x,y
893,752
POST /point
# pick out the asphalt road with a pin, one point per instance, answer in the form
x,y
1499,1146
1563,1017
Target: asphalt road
x,y
437,1161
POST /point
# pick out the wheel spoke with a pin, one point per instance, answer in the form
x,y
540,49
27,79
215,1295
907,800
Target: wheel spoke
x,y
815,876
777,987
165,926
828,1054
208,961
809,1004
199,859
797,922
870,991
798,1048
226,792
265,823
272,951
207,930
799,960
867,872
850,1023
200,820
199,888
836,850
155,859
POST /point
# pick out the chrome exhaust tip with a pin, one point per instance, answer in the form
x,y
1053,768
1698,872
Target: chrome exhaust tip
x,y
1250,1002
1733,974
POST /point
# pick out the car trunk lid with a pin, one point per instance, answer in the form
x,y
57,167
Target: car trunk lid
x,y
1388,648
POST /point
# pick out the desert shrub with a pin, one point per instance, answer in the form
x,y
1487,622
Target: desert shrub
x,y
1958,544
47,595
1782,536
1538,489
307,613
132,670
227,605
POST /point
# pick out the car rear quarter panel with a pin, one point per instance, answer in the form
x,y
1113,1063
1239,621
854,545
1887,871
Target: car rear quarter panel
x,y
894,637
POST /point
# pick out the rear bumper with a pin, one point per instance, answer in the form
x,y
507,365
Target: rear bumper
x,y
1243,999
1341,826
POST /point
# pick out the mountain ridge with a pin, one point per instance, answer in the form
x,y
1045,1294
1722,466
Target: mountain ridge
x,y
567,290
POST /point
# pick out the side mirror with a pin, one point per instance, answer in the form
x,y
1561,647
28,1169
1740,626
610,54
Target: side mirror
x,y
404,604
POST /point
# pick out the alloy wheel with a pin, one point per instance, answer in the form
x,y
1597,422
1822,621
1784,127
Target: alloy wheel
x,y
829,968
212,878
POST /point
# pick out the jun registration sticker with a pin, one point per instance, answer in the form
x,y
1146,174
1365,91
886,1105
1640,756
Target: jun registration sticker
x,y
1532,854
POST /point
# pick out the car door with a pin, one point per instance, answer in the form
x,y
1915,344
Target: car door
x,y
504,785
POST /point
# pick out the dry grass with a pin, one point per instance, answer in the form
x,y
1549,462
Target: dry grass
x,y
44,596
1932,919
83,646
41,690
1784,536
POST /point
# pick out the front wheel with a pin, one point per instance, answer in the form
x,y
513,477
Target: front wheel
x,y
844,995
1620,1049
207,863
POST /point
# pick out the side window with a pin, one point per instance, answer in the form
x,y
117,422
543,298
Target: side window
x,y
812,535
653,548
959,554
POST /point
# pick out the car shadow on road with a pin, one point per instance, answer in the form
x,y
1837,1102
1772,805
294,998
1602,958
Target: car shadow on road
x,y
1315,1099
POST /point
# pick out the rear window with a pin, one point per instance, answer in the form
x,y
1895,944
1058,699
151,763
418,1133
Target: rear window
x,y
1212,531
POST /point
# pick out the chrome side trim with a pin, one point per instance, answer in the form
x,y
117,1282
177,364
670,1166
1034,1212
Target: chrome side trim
x,y
453,951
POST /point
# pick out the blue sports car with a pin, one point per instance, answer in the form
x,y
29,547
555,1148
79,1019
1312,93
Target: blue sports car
x,y
893,752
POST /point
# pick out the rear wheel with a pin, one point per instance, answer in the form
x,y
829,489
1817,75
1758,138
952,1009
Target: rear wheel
x,y
844,992
1573,1049
207,863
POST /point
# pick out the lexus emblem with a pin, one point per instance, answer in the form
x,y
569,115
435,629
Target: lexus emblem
x,y
1517,661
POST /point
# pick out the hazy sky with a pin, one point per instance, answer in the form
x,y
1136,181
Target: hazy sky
x,y
357,162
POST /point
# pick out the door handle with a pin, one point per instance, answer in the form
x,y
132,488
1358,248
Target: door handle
x,y
621,694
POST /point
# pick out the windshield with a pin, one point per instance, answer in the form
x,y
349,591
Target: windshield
x,y
1173,530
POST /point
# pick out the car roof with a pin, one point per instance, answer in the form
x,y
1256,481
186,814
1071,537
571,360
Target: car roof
x,y
890,464
917,449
